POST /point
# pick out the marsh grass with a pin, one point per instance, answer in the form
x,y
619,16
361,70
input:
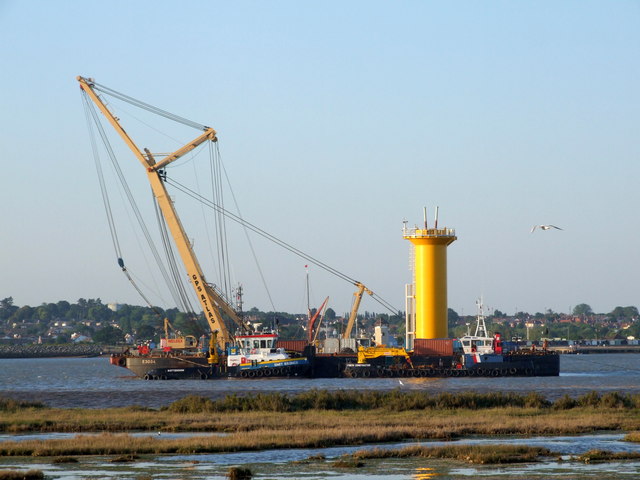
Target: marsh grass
x,y
394,400
601,456
348,462
481,454
125,458
17,475
632,437
314,419
239,473
65,459
11,405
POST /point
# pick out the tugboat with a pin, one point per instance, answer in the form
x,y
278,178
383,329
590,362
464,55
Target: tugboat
x,y
485,355
257,355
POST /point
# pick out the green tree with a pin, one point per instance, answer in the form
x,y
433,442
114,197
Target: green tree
x,y
7,308
108,335
146,332
23,313
63,338
624,312
187,324
582,309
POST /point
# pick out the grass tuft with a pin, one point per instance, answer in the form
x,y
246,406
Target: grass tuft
x,y
480,454
11,405
17,475
65,459
125,458
239,473
601,456
348,462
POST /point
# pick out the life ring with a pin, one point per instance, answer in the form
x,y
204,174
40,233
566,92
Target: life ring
x,y
243,360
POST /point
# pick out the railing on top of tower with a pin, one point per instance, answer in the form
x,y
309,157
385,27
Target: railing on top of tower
x,y
415,232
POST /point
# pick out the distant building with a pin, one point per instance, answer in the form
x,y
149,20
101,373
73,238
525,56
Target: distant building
x,y
114,307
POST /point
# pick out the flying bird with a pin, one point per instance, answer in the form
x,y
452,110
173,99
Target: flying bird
x,y
400,382
545,227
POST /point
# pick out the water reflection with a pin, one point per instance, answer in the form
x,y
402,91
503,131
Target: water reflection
x,y
424,473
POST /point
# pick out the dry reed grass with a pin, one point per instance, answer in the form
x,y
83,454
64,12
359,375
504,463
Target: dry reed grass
x,y
311,428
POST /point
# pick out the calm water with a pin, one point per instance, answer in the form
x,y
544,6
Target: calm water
x,y
94,383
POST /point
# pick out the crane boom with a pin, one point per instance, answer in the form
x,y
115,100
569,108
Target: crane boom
x,y
210,301
354,309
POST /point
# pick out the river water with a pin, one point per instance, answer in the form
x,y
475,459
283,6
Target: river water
x,y
94,383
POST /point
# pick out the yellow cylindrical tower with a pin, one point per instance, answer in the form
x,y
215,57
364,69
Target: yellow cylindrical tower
x,y
430,279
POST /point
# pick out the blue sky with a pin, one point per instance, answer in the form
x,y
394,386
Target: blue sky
x,y
336,122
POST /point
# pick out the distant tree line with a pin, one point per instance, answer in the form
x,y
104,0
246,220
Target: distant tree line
x,y
55,322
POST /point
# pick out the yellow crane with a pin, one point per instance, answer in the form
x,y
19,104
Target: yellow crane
x,y
354,309
212,304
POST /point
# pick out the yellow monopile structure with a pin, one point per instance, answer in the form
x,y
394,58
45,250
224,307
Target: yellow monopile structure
x,y
430,270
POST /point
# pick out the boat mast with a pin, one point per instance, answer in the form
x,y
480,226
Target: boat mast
x,y
481,327
210,301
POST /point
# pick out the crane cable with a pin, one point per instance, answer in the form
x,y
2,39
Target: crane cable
x,y
217,194
246,233
91,113
218,208
148,107
272,238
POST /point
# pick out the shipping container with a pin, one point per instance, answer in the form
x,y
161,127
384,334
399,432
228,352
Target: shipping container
x,y
441,347
292,345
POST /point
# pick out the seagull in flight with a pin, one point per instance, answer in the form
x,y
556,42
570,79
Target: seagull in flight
x,y
545,227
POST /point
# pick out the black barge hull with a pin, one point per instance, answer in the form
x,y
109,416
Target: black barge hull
x,y
158,367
